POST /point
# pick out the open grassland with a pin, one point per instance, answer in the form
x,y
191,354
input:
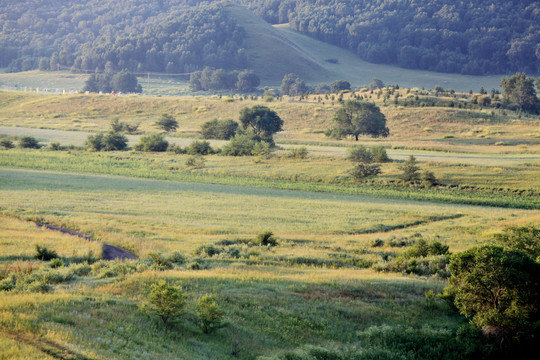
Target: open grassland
x,y
411,127
314,174
315,287
341,275
18,241
147,215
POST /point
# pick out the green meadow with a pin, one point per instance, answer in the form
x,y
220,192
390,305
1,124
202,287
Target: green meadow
x,y
343,280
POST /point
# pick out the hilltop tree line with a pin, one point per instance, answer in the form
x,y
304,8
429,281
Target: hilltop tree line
x,y
483,37
138,35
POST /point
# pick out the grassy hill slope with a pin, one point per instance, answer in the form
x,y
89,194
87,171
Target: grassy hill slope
x,y
274,51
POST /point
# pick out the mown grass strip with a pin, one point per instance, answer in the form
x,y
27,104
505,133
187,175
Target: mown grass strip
x,y
125,165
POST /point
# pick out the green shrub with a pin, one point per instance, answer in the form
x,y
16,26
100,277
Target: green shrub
x,y
160,261
6,144
219,129
423,248
152,143
359,154
119,126
411,171
113,141
81,269
209,313
55,146
379,154
110,141
195,161
377,243
199,148
197,264
167,122
363,170
28,142
44,254
298,153
166,301
56,263
207,250
266,239
240,145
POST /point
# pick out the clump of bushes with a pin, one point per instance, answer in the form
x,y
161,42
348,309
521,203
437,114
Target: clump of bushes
x,y
29,142
266,238
152,143
219,129
422,258
119,126
199,148
111,141
195,162
364,159
298,153
6,143
243,145
167,261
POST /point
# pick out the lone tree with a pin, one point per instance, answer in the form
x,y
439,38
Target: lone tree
x,y
293,85
247,81
166,301
209,313
126,82
167,123
411,170
498,289
520,89
260,123
356,118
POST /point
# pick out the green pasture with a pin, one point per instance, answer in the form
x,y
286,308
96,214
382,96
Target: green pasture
x,y
274,301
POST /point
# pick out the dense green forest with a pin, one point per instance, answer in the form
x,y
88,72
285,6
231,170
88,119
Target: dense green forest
x,y
141,35
180,36
480,37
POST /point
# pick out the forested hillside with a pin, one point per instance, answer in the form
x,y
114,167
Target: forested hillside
x,y
480,37
177,36
141,35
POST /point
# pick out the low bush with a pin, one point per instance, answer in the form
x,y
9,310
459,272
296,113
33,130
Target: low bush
x,y
6,144
45,254
152,143
199,148
266,238
207,250
242,145
195,162
298,153
110,141
29,142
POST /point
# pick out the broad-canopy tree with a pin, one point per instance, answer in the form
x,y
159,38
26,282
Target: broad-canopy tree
x,y
520,89
260,123
167,122
293,85
360,118
247,81
498,289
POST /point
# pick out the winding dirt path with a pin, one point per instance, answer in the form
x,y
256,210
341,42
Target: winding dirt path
x,y
110,252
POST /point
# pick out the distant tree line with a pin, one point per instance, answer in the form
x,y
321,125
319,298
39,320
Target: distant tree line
x,y
484,37
138,35
220,79
123,81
